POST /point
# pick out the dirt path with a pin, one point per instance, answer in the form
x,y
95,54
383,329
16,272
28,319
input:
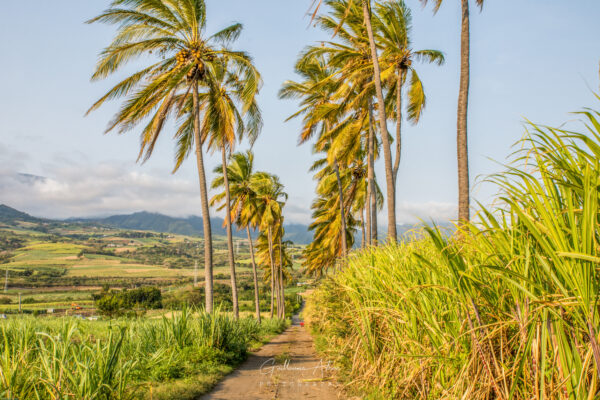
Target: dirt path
x,y
286,368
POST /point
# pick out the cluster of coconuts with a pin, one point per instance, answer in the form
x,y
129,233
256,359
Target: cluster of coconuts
x,y
405,60
185,57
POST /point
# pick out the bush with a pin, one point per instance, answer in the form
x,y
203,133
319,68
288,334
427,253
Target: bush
x,y
110,305
116,303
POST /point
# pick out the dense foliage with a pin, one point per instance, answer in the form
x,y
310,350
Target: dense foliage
x,y
116,302
505,309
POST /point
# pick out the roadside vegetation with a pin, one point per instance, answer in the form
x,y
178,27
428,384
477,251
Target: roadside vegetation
x,y
179,357
506,308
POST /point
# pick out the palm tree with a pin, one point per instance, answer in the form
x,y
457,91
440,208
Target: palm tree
x,y
322,253
244,210
222,124
387,152
393,26
352,55
462,154
316,91
376,77
270,199
284,262
325,248
173,32
281,258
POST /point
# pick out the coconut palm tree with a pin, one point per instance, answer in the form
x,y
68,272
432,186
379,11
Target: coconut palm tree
x,y
376,77
393,24
270,199
284,264
352,55
324,250
316,91
387,152
244,210
172,33
230,113
281,258
462,149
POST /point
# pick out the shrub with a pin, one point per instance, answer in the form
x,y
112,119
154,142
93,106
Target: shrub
x,y
115,303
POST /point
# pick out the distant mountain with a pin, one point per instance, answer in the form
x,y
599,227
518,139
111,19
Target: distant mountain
x,y
147,221
298,233
192,226
9,215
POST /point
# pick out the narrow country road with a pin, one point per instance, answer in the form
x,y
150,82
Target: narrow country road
x,y
285,368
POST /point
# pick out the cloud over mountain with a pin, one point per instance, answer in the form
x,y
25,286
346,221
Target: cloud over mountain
x,y
79,190
71,188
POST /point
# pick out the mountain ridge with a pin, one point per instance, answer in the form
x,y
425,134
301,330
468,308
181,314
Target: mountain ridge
x,y
157,222
190,226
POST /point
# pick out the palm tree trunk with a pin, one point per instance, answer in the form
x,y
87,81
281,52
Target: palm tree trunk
x,y
231,257
372,224
270,238
255,276
277,286
281,276
277,290
363,242
385,139
399,84
461,132
342,213
368,208
208,263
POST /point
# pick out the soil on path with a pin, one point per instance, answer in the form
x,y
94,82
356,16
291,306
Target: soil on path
x,y
287,368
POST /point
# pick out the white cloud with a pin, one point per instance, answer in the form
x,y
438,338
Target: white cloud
x,y
73,189
82,190
411,212
76,189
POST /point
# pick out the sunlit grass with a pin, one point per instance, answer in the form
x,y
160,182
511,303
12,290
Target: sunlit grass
x,y
123,359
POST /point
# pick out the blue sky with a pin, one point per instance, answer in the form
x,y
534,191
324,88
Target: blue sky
x,y
534,59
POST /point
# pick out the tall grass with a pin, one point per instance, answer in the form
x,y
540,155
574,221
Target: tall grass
x,y
71,359
507,309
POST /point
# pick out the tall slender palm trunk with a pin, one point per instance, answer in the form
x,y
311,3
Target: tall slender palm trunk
x,y
363,242
230,255
372,190
343,238
399,85
461,125
277,286
254,276
277,291
368,206
385,139
208,263
270,238
282,288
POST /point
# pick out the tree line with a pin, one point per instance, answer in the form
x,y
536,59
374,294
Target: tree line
x,y
209,91
351,86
